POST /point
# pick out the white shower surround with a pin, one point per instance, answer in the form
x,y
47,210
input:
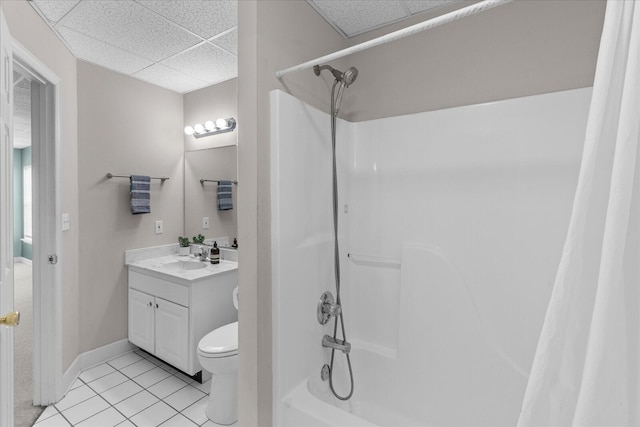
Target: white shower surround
x,y
470,205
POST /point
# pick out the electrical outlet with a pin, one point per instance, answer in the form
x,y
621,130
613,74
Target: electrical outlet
x,y
205,222
158,227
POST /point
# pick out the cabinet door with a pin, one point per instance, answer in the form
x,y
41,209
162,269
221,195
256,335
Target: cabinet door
x,y
172,333
141,322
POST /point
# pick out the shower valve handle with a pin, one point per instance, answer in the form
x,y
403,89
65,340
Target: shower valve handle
x,y
327,308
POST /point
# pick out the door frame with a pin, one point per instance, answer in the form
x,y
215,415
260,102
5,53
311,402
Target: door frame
x,y
47,196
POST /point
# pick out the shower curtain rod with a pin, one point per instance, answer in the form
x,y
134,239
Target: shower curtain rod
x,y
419,27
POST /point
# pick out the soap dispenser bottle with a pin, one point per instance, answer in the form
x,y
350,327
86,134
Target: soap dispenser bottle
x,y
215,254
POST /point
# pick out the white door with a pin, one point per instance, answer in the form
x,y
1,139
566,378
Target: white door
x,y
6,227
172,333
141,321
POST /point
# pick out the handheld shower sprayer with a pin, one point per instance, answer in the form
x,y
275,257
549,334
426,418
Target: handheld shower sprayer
x,y
348,77
327,307
342,80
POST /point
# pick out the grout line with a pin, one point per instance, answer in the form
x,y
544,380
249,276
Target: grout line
x,y
163,366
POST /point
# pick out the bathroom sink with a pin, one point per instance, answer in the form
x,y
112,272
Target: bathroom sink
x,y
184,265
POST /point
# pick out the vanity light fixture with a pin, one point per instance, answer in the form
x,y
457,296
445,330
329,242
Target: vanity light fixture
x,y
211,128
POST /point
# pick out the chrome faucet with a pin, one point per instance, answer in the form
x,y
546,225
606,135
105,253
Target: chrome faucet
x,y
327,308
331,342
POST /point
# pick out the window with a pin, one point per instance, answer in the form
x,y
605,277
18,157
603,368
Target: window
x,y
26,202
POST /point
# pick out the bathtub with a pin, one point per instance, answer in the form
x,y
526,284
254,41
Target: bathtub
x,y
441,394
445,289
309,406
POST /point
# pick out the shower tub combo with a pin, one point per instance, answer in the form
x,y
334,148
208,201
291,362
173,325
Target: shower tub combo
x,y
451,225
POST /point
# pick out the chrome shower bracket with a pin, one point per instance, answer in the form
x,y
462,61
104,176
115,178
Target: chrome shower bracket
x,y
327,308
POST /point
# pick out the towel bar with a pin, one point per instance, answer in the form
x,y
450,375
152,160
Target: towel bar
x,y
202,181
110,175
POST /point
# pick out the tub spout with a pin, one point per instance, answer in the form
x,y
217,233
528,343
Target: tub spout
x,y
331,342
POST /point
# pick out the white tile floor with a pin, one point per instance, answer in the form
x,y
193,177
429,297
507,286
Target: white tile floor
x,y
135,389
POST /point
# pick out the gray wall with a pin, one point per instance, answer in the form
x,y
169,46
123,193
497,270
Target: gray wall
x,y
212,160
31,32
272,35
518,49
125,126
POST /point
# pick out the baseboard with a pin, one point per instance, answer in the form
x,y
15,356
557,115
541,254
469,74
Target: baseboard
x,y
23,260
94,357
70,375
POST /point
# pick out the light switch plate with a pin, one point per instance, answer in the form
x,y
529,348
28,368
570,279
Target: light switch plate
x,y
65,221
205,222
159,227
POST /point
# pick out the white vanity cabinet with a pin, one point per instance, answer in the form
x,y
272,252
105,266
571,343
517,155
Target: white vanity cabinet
x,y
160,327
170,312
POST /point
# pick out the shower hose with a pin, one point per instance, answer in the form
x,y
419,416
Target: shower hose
x,y
339,318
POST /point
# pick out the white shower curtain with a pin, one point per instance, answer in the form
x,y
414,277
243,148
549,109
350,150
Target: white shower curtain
x,y
586,367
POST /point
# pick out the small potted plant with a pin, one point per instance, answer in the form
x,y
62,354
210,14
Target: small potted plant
x,y
198,240
184,245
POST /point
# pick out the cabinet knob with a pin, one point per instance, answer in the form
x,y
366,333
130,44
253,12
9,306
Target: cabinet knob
x,y
156,305
150,303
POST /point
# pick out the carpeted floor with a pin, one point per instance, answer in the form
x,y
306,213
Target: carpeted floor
x,y
25,413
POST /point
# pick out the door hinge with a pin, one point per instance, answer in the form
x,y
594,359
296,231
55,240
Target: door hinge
x,y
53,259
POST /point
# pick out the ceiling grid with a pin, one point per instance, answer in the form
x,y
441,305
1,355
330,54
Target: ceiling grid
x,y
185,45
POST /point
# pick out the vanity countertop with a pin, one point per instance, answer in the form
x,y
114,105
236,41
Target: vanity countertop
x,y
172,267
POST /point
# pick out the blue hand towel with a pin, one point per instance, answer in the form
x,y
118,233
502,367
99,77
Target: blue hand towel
x,y
140,194
224,196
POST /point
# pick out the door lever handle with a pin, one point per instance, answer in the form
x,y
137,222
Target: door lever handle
x,y
11,319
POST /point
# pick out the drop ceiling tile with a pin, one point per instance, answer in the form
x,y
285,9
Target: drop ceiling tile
x,y
357,16
101,53
417,6
159,75
54,10
206,62
204,18
227,41
130,27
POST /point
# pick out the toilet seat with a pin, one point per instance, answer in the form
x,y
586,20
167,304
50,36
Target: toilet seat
x,y
221,342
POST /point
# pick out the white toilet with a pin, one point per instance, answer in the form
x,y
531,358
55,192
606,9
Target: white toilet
x,y
218,354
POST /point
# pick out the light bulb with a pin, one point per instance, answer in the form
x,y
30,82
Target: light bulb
x,y
188,130
222,124
199,128
209,125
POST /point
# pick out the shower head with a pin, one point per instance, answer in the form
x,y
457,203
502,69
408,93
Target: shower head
x,y
347,77
350,76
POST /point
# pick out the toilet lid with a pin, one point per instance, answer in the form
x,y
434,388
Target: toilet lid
x,y
221,341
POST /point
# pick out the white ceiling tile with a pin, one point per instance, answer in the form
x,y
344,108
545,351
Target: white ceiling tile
x,y
357,16
169,78
54,10
129,26
101,53
204,18
206,62
227,41
417,6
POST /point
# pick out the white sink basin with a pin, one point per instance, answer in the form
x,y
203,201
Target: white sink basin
x,y
184,265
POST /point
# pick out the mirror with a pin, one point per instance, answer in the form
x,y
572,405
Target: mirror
x,y
211,157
